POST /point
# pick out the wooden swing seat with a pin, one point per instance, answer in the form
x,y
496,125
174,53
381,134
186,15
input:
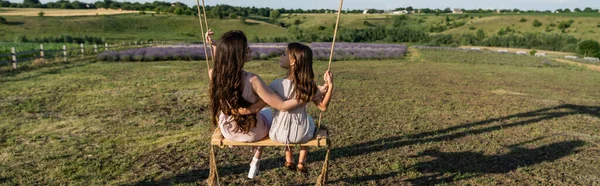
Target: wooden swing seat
x,y
320,140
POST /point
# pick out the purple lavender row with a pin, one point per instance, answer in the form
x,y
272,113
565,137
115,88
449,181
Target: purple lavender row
x,y
343,51
178,53
350,54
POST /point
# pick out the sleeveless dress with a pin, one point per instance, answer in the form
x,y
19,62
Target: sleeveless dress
x,y
263,119
294,126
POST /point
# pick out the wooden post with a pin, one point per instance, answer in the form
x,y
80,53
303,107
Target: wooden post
x,y
42,52
65,52
82,50
13,51
96,48
105,46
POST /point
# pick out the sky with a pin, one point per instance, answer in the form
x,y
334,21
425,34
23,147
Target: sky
x,y
392,4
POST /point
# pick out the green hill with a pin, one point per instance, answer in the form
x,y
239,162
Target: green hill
x,y
128,27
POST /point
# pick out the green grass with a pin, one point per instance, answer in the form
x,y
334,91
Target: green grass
x,y
132,27
422,120
5,47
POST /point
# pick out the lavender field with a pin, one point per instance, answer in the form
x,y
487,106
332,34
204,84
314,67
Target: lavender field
x,y
260,51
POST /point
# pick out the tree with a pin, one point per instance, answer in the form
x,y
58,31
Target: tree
x,y
233,15
480,34
567,10
275,14
588,9
216,12
32,3
100,4
577,10
4,3
179,11
589,48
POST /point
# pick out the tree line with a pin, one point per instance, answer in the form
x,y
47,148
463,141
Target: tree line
x,y
222,11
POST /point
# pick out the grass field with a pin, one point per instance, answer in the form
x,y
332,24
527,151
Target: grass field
x,y
131,27
582,27
437,117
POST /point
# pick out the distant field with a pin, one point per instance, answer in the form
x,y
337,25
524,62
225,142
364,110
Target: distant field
x,y
582,27
60,12
129,27
133,26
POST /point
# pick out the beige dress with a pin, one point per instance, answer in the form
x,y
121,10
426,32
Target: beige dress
x,y
263,119
294,126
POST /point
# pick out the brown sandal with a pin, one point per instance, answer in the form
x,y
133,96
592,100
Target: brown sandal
x,y
302,168
289,165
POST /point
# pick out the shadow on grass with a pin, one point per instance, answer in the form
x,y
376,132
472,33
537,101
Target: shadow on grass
x,y
458,162
15,23
448,167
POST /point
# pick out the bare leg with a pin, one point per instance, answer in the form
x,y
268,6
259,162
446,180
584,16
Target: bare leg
x,y
302,159
257,152
289,154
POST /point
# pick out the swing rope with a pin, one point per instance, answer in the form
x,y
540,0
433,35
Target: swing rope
x,y
323,177
202,29
213,175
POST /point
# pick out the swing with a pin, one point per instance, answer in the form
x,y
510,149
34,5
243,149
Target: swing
x,y
321,138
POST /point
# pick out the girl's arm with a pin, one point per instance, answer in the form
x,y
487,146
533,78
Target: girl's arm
x,y
321,91
269,97
322,104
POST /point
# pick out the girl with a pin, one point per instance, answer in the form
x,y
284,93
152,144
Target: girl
x,y
296,126
232,89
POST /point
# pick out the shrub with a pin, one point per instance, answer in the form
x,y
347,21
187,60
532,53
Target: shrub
x,y
2,20
588,48
472,28
533,52
537,23
41,14
523,20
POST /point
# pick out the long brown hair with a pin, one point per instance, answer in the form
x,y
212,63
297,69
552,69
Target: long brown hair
x,y
305,86
227,84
